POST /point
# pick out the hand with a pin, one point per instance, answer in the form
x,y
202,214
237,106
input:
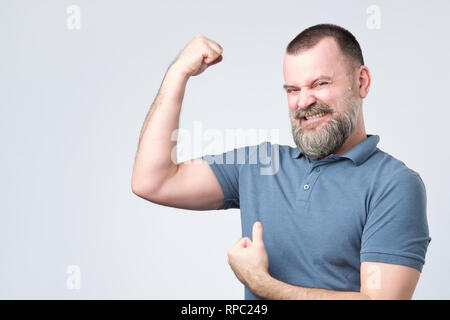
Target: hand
x,y
249,260
198,55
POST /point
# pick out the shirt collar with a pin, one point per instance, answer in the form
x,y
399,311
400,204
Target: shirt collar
x,y
358,154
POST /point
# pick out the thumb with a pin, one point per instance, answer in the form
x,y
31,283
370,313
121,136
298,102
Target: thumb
x,y
257,233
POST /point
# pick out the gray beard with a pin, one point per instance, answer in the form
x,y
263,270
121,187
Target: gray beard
x,y
323,142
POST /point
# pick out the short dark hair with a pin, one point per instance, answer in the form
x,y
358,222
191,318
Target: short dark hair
x,y
309,37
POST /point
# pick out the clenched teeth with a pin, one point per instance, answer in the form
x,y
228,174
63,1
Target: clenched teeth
x,y
315,116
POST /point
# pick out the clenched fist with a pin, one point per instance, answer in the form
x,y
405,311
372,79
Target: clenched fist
x,y
198,55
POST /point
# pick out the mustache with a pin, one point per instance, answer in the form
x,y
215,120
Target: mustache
x,y
317,107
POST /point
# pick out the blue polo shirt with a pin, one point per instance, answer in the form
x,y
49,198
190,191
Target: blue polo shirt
x,y
322,218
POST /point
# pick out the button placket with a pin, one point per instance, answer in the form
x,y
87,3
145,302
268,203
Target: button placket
x,y
307,184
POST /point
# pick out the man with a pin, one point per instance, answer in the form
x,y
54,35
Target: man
x,y
342,219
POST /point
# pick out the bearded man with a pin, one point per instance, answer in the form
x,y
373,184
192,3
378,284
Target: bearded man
x,y
342,219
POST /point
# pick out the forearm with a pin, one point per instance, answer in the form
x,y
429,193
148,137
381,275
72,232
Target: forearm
x,y
273,289
154,160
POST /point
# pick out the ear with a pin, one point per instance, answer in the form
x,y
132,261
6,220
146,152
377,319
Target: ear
x,y
364,79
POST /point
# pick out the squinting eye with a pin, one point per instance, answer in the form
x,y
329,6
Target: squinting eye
x,y
290,90
321,84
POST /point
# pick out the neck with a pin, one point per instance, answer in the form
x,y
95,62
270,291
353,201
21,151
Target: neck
x,y
355,138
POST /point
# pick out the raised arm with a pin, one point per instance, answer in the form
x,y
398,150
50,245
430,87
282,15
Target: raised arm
x,y
157,175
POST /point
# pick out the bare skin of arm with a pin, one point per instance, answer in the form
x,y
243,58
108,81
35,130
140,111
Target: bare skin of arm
x,y
380,281
250,263
157,176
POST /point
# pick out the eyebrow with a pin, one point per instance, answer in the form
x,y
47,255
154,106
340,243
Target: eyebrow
x,y
321,77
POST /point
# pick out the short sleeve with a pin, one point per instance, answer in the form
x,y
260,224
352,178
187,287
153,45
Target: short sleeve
x,y
226,168
396,229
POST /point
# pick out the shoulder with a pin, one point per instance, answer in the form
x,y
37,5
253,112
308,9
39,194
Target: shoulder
x,y
268,149
272,148
393,179
387,168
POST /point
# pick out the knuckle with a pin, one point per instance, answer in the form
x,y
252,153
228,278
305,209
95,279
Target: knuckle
x,y
203,44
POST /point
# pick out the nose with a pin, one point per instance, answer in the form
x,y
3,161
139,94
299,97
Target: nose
x,y
305,99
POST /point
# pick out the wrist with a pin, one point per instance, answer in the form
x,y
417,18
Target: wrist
x,y
177,71
260,284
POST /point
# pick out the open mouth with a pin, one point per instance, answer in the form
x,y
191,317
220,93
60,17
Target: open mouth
x,y
314,118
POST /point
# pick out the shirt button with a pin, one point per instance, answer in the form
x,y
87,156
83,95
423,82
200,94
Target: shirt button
x,y
306,187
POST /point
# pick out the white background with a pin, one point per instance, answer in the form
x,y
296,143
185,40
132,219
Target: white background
x,y
72,103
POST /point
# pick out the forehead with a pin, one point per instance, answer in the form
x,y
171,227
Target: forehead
x,y
325,58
